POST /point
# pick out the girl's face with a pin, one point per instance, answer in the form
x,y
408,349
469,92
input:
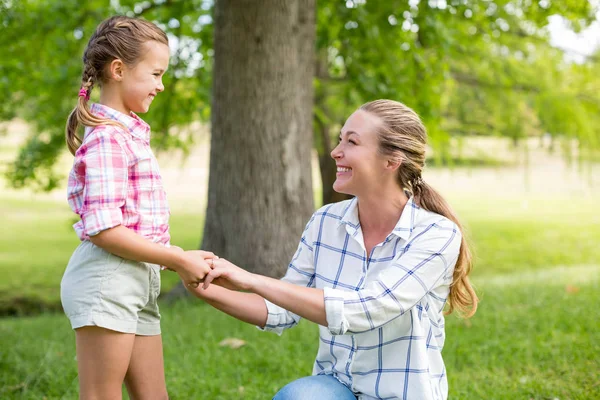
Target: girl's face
x,y
360,166
142,82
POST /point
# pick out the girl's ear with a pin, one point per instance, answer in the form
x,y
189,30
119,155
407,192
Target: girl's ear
x,y
116,69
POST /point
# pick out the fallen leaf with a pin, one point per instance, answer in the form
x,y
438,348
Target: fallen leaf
x,y
232,343
571,289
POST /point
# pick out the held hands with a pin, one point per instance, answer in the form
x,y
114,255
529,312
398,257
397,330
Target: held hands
x,y
205,267
230,276
193,266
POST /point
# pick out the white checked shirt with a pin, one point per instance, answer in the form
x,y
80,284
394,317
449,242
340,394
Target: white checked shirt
x,y
385,317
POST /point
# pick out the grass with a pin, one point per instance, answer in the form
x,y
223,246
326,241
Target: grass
x,y
535,335
533,338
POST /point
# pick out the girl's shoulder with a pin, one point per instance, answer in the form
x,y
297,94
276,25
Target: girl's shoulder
x,y
104,132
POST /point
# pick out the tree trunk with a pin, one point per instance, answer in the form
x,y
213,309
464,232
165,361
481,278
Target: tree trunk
x,y
260,187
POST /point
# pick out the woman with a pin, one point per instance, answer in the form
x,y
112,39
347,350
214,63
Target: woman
x,y
374,272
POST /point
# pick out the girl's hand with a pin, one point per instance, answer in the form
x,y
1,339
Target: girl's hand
x,y
194,267
229,275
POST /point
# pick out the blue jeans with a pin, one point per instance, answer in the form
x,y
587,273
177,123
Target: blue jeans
x,y
318,387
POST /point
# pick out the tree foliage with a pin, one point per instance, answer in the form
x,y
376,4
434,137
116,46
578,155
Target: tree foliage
x,y
469,67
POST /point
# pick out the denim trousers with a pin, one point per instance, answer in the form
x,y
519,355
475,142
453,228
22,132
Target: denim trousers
x,y
318,387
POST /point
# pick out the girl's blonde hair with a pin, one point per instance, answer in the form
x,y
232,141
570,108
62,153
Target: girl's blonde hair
x,y
117,37
402,137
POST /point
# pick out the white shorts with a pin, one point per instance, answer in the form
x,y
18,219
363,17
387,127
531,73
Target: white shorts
x,y
102,289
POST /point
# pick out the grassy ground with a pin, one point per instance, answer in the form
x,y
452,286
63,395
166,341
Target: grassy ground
x,y
535,336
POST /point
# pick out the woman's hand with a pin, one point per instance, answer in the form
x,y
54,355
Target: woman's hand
x,y
228,275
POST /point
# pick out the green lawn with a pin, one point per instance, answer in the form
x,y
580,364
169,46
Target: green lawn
x,y
533,338
535,335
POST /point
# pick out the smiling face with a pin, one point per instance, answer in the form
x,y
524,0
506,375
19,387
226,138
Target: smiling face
x,y
141,83
360,165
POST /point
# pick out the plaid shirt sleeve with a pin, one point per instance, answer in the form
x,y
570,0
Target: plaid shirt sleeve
x,y
106,176
425,261
301,272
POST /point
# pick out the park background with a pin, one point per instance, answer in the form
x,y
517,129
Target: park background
x,y
255,96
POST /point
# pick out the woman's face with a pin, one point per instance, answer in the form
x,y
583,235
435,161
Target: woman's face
x,y
360,166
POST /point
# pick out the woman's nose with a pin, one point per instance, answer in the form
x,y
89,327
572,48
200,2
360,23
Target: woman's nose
x,y
336,153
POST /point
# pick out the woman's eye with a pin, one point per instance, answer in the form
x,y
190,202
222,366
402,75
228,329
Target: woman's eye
x,y
352,141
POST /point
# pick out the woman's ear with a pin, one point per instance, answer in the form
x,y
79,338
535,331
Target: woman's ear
x,y
393,164
116,69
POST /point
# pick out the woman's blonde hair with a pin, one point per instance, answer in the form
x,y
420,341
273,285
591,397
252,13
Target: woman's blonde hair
x,y
403,137
117,37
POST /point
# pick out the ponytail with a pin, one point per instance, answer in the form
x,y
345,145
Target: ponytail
x,y
81,115
403,137
462,295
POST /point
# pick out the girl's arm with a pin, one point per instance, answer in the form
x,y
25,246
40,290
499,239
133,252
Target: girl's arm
x,y
105,169
125,243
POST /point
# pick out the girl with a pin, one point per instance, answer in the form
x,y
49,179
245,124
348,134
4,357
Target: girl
x,y
110,287
374,272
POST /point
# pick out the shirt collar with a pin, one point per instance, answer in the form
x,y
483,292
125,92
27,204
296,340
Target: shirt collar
x,y
134,124
403,228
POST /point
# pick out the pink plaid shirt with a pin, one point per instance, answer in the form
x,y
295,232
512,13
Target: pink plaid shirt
x,y
115,180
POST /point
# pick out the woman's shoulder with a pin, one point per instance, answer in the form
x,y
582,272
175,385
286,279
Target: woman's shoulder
x,y
431,221
337,209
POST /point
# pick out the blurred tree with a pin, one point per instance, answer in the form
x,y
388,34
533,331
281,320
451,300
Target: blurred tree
x,y
260,185
469,67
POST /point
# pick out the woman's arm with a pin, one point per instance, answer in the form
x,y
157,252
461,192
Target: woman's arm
x,y
247,307
402,285
304,301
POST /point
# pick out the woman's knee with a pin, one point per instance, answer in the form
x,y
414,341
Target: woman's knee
x,y
319,387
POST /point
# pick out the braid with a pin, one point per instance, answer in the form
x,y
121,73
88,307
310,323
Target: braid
x,y
117,37
89,79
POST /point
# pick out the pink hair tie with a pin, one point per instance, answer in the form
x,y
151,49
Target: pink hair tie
x,y
83,92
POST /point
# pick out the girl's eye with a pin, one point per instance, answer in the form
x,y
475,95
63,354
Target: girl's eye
x,y
156,74
352,141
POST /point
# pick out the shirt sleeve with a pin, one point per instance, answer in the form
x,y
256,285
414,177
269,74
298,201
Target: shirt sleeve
x,y
301,272
420,268
105,189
